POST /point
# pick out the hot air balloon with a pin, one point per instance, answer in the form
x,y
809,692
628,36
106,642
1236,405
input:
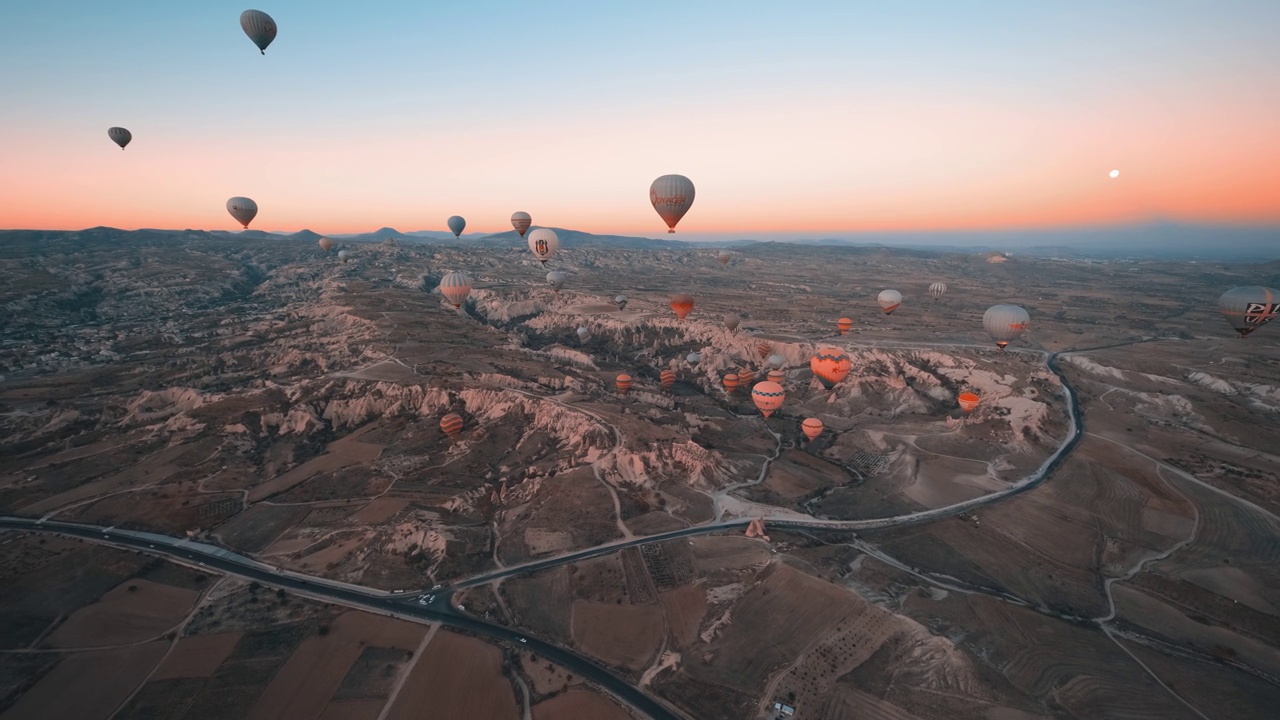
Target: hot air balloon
x,y
1005,323
623,383
456,225
724,257
968,401
242,209
845,325
746,377
938,289
681,304
776,376
583,333
451,424
260,28
556,279
343,255
543,243
1249,308
768,396
672,196
325,244
889,300
830,366
621,302
520,221
119,136
811,427
776,361
732,322
456,287
763,349
692,358
730,382
668,378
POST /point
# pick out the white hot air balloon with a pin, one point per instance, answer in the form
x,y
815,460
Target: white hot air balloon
x,y
119,136
242,209
520,221
938,289
556,280
260,28
343,255
672,196
692,358
456,225
543,243
583,333
889,300
776,361
1249,308
455,287
1005,323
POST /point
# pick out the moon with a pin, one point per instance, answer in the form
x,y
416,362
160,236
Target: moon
x,y
1114,174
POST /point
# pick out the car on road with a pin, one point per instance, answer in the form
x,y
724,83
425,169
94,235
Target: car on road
x,y
523,640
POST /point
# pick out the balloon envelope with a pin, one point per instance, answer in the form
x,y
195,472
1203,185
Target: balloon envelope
x,y
746,377
889,300
456,225
260,28
723,258
811,427
456,287
119,136
1005,323
692,358
732,322
343,255
845,325
768,396
1249,308
623,383
730,382
672,196
325,244
776,376
968,401
543,243
621,302
583,333
242,209
830,366
520,221
938,289
556,279
776,361
681,304
451,424
668,378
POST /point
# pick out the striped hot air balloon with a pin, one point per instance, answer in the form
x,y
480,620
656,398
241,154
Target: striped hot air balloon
x,y
672,196
768,396
830,366
451,424
889,300
521,221
968,401
1005,323
746,377
119,136
455,287
242,209
668,378
731,383
325,244
845,325
260,28
777,376
682,304
763,349
456,225
623,383
1249,308
938,289
811,427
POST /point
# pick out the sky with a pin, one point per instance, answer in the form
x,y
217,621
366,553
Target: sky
x,y
813,119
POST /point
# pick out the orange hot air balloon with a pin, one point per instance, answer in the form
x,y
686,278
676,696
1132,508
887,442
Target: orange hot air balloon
x,y
682,304
968,401
730,382
811,427
845,325
451,424
768,396
830,366
777,376
746,377
624,383
668,378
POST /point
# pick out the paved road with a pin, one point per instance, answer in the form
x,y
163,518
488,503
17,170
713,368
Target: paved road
x,y
400,605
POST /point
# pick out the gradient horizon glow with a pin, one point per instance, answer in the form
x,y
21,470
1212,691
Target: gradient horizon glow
x,y
792,119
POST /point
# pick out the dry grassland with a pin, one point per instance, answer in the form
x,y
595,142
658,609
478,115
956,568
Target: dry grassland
x,y
579,705
196,656
125,616
458,678
88,685
621,635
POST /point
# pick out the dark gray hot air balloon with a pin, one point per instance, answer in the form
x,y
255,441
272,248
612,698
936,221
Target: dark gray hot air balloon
x,y
556,279
621,302
672,196
119,136
732,322
1005,323
1249,308
260,28
242,209
583,333
456,225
